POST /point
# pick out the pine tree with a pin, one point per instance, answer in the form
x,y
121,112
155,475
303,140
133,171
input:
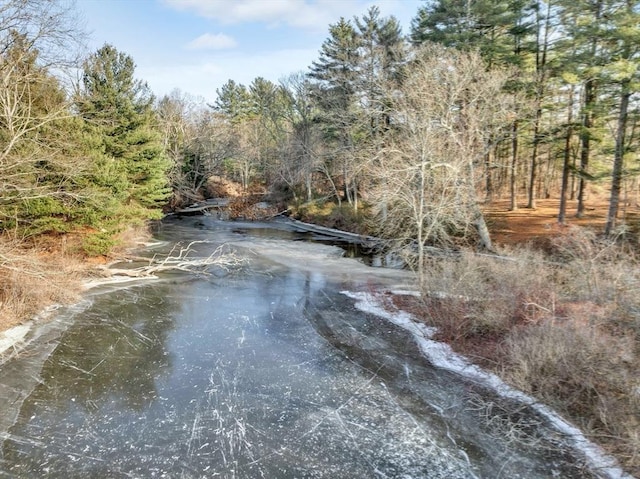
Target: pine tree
x,y
582,24
623,72
383,55
504,34
337,73
499,29
119,110
233,100
39,164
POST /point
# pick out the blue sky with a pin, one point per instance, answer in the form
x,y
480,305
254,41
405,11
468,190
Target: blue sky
x,y
197,45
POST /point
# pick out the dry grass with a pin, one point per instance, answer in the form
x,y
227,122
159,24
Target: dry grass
x,y
564,328
48,270
33,278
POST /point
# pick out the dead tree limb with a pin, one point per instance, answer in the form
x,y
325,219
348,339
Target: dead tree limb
x,y
178,260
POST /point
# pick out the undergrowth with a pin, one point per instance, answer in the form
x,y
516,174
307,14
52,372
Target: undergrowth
x,y
563,327
49,269
327,213
31,279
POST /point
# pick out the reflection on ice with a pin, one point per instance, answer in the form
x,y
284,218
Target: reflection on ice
x,y
267,372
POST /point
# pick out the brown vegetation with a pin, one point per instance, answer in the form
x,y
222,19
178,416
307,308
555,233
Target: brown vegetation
x,y
49,269
561,324
33,278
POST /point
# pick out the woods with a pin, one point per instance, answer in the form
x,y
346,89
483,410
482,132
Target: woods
x,y
408,136
568,105
562,122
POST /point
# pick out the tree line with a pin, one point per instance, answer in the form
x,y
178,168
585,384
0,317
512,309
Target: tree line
x,y
75,153
520,99
481,100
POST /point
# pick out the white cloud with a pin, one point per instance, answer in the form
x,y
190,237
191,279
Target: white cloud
x,y
211,41
315,14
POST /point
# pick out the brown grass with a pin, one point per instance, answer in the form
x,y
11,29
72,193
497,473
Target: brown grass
x,y
48,270
33,278
564,328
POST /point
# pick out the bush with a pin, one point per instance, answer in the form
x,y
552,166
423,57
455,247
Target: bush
x,y
586,374
32,279
486,296
565,329
99,243
331,215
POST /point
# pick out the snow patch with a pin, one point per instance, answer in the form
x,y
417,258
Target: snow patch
x,y
442,356
13,337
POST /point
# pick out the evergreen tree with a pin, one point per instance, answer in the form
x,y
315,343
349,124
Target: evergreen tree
x,y
499,29
383,55
119,110
337,73
582,22
337,67
39,163
504,33
233,100
623,72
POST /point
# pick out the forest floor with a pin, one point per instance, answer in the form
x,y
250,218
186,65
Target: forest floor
x,y
538,226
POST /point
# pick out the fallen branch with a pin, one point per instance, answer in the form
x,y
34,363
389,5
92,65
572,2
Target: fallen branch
x,y
178,260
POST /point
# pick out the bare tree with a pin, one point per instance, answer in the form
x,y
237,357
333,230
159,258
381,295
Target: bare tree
x,y
301,157
39,40
447,112
197,140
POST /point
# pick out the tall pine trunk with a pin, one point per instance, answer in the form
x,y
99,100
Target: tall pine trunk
x,y
585,141
587,118
566,157
514,163
541,64
618,160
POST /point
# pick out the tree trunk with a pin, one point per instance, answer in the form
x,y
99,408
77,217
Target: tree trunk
x,y
308,181
488,179
585,141
483,231
618,160
587,119
565,162
514,163
534,161
541,64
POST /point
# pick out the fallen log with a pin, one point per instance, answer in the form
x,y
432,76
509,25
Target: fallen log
x,y
334,233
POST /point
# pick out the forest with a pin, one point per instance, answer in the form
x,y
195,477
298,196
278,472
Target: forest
x,y
480,100
406,136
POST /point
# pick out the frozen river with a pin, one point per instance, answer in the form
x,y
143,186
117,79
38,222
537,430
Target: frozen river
x,y
268,371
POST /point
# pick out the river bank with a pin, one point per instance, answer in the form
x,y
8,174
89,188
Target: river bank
x,y
48,270
275,357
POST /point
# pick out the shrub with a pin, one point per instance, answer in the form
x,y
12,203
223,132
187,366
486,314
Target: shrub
x,y
98,243
31,280
585,373
564,328
331,215
486,296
